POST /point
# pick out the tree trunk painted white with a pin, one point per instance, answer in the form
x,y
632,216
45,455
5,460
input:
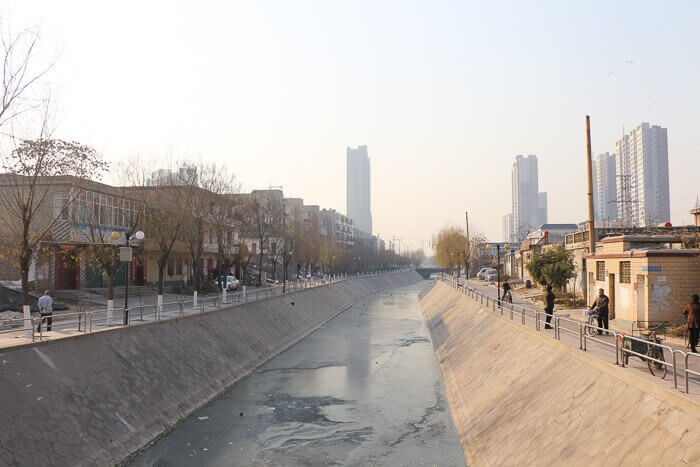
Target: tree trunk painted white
x,y
110,312
159,307
223,294
245,298
194,299
28,328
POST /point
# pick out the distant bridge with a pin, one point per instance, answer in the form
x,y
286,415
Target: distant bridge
x,y
426,272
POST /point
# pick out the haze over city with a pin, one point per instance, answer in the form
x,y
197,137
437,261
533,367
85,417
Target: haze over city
x,y
444,94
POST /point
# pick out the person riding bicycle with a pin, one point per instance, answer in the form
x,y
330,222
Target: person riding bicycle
x,y
507,294
601,306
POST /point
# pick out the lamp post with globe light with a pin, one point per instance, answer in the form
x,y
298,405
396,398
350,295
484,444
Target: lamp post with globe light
x,y
125,256
490,246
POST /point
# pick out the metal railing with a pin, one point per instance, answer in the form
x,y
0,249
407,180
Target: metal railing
x,y
104,318
581,329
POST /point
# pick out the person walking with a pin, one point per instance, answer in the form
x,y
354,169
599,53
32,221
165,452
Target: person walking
x,y
507,294
45,304
692,312
549,305
601,303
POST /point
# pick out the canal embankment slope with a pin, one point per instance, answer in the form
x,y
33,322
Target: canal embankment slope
x,y
518,397
95,399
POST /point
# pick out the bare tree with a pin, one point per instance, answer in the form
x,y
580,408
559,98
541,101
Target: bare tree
x,y
102,247
19,73
43,180
163,194
261,212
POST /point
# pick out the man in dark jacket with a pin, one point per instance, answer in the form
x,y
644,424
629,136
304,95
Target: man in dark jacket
x,y
692,312
549,305
601,303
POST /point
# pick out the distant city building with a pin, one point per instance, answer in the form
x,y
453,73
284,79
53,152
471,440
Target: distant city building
x,y
508,228
337,227
641,159
185,175
605,187
358,188
526,196
542,199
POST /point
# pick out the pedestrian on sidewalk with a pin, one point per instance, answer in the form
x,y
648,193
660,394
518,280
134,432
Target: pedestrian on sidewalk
x,y
692,312
549,305
45,304
507,294
601,303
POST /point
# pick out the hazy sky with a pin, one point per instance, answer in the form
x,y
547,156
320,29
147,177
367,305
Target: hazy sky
x,y
444,93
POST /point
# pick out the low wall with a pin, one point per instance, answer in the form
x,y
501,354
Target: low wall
x,y
96,398
521,398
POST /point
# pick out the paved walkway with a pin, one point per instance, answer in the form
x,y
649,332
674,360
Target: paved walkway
x,y
604,346
142,311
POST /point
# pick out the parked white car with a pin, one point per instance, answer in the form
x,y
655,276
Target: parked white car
x,y
231,283
483,274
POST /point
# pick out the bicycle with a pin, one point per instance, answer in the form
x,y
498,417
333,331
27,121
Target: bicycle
x,y
654,353
592,322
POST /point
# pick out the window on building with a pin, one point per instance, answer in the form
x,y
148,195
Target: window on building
x,y
600,270
171,269
60,201
625,272
178,268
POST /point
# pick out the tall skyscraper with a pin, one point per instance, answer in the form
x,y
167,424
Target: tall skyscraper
x,y
605,189
641,162
526,196
358,188
508,228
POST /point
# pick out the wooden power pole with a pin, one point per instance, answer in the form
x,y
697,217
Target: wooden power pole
x,y
591,213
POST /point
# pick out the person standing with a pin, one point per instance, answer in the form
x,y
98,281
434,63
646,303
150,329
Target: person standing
x,y
601,303
549,305
692,312
45,304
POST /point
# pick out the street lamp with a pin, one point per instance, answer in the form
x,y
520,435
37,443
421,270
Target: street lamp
x,y
125,256
490,246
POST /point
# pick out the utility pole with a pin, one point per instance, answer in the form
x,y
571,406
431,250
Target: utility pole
x,y
469,250
591,214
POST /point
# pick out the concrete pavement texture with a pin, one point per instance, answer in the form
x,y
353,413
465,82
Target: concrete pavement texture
x,y
364,389
520,398
94,399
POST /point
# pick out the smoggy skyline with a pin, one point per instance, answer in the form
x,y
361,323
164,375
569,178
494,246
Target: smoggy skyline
x,y
444,94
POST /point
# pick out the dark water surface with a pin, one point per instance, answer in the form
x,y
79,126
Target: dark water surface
x,y
363,389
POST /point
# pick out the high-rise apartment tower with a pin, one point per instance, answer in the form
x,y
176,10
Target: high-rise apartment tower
x,y
641,163
529,205
358,188
605,189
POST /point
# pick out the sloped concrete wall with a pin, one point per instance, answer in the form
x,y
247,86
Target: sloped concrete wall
x,y
519,398
97,398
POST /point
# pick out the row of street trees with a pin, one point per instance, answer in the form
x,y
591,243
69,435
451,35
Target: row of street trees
x,y
45,182
553,266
